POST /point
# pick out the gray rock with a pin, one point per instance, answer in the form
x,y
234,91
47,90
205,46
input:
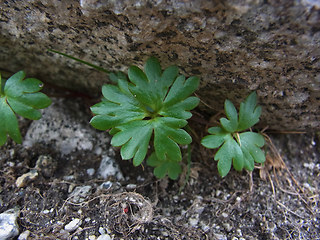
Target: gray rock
x,y
90,171
73,225
26,178
8,224
104,237
64,126
79,194
109,167
235,46
106,185
24,235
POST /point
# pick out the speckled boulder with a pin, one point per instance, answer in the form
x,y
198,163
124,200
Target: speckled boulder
x,y
236,47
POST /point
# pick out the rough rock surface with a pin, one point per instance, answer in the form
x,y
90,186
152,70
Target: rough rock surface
x,y
235,46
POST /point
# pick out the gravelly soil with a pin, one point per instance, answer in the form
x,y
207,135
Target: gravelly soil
x,y
283,205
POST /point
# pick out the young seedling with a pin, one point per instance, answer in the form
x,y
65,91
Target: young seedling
x,y
149,103
237,147
18,96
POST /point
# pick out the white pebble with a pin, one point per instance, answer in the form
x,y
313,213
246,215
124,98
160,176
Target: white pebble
x,y
104,237
73,225
46,211
101,230
8,224
224,214
24,235
91,171
131,186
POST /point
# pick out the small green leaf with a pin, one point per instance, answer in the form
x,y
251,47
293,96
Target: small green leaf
x,y
153,69
229,152
231,112
249,112
251,143
23,96
215,140
180,90
20,96
134,138
118,107
167,136
162,168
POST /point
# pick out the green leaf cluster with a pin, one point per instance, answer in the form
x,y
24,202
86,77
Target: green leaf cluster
x,y
239,149
150,105
19,96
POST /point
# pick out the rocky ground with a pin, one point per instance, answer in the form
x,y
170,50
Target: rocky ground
x,y
66,182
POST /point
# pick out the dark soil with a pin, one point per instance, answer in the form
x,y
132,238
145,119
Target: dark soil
x,y
279,201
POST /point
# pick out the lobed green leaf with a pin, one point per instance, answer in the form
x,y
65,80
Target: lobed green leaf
x,y
24,97
230,152
249,112
162,168
21,96
216,139
134,138
230,124
117,108
180,90
167,136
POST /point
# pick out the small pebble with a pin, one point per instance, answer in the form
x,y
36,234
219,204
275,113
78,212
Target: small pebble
x,y
24,235
46,211
109,167
104,237
218,192
227,226
220,236
224,214
73,225
106,185
193,221
90,172
80,193
26,178
131,186
8,224
101,230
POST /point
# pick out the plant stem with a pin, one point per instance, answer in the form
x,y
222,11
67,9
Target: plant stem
x,y
81,61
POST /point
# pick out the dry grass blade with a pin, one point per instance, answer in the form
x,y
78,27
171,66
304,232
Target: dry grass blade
x,y
275,162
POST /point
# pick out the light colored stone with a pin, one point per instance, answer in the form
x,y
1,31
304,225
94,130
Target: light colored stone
x,y
64,126
92,237
24,235
109,167
8,224
80,193
90,171
23,180
104,237
73,225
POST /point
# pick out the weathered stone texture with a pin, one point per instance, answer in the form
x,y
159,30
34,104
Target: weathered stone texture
x,y
235,46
